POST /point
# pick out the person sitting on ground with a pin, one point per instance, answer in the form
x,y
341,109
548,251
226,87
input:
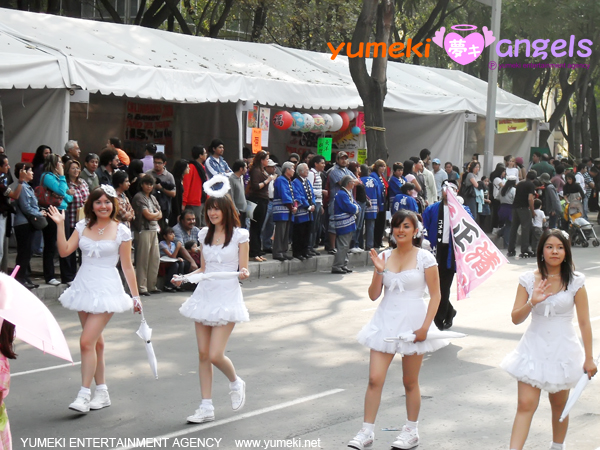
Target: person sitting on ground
x,y
185,231
192,248
169,250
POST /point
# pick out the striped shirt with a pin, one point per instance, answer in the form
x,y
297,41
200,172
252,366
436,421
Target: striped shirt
x,y
317,183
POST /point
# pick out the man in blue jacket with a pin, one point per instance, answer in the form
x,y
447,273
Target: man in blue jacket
x,y
436,220
305,196
283,209
344,212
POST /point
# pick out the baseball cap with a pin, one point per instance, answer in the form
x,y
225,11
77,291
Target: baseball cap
x,y
271,163
341,155
436,161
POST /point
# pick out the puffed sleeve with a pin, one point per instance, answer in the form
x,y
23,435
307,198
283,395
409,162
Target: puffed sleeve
x,y
526,280
427,259
242,235
384,255
123,233
577,282
202,235
80,226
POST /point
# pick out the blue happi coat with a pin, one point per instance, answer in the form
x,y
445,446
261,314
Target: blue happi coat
x,y
283,196
372,192
302,215
394,185
380,191
345,208
403,201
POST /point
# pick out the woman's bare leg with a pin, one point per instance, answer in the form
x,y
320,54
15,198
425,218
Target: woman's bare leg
x,y
218,342
91,344
528,400
411,366
203,334
378,367
559,429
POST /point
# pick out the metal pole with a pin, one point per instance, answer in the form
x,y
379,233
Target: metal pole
x,y
490,116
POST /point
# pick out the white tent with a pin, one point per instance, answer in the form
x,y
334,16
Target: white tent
x,y
52,52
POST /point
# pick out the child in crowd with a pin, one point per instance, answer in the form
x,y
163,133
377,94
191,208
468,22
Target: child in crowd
x,y
538,223
168,257
194,251
7,336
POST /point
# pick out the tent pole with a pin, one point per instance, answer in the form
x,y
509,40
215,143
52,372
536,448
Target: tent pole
x,y
238,113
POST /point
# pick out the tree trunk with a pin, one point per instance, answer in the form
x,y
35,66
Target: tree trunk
x,y
585,122
594,132
373,88
259,22
216,27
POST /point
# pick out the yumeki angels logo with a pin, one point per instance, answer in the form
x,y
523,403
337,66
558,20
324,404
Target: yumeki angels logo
x,y
464,50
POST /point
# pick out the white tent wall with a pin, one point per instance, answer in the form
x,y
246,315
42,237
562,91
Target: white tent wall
x,y
33,117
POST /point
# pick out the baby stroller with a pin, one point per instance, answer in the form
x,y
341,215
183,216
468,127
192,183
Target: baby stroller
x,y
580,230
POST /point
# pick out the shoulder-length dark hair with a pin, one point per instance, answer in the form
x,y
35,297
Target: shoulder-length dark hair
x,y
88,208
7,337
567,267
179,168
403,214
231,219
472,166
39,155
508,186
256,161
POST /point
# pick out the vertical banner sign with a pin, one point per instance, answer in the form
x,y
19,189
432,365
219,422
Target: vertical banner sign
x,y
149,123
361,156
360,122
251,122
324,147
256,140
477,258
263,124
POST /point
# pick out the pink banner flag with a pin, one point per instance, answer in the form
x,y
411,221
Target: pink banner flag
x,y
477,258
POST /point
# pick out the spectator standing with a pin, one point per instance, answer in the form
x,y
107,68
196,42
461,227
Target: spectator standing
x,y
344,212
377,174
372,205
551,205
410,177
538,222
194,196
334,177
506,196
439,176
452,174
430,183
396,181
125,213
164,189
588,187
135,171
6,193
180,170
558,180
114,143
109,162
541,164
522,169
148,159
53,179
497,179
304,196
88,174
72,150
284,207
147,214
523,212
468,186
80,192
268,228
316,166
187,231
357,243
170,249
512,169
215,163
237,189
38,163
258,192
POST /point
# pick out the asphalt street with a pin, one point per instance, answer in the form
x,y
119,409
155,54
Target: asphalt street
x,y
306,375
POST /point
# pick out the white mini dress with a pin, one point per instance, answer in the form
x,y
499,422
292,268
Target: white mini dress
x,y
97,287
401,310
217,302
549,355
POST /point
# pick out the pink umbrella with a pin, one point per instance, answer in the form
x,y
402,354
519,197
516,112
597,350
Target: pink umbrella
x,y
34,322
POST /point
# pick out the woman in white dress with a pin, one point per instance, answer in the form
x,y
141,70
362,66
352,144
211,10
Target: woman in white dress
x,y
217,304
405,272
549,356
97,293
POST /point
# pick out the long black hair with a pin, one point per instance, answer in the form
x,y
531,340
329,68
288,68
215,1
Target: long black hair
x,y
403,214
567,267
7,337
39,155
507,186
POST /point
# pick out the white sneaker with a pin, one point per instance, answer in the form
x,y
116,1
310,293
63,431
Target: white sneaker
x,y
54,282
356,250
100,400
202,414
363,440
555,446
408,438
238,397
81,403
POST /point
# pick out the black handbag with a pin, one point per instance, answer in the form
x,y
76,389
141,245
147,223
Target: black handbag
x,y
37,222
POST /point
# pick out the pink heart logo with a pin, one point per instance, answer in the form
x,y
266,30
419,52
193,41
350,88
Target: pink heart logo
x,y
464,50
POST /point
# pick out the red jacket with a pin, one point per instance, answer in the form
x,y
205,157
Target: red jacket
x,y
192,187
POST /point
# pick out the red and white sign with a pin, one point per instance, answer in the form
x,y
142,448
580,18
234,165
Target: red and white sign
x,y
477,258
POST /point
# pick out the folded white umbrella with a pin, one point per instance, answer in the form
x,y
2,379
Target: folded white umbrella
x,y
576,393
198,277
145,332
408,336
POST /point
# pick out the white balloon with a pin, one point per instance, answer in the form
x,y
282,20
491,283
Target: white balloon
x,y
309,123
337,122
351,115
328,122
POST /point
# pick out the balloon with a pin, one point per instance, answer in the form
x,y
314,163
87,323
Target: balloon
x,y
351,114
337,122
282,120
355,130
298,121
328,122
309,122
345,121
319,125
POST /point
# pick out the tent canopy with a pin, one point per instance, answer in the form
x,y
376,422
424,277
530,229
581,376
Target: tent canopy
x,y
39,50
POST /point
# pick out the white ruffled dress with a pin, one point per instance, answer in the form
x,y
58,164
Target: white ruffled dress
x,y
97,287
401,310
549,355
217,302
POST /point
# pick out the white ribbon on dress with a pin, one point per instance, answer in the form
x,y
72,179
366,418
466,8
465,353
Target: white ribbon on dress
x,y
94,251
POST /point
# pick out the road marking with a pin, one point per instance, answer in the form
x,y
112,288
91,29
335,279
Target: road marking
x,y
593,267
45,368
202,427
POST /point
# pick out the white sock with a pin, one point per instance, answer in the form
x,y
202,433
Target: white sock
x,y
101,387
236,385
370,427
85,391
556,446
412,425
207,403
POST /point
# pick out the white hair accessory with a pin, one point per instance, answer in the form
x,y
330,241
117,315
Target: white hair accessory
x,y
565,235
109,190
222,191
